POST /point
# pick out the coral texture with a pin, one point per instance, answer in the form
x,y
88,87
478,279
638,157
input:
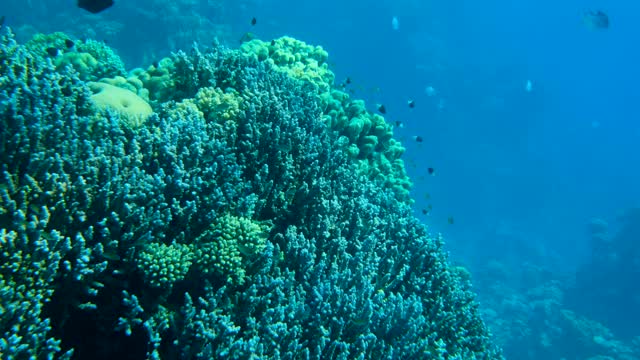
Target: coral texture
x,y
233,223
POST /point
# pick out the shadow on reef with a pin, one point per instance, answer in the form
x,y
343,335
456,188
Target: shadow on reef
x,y
609,280
538,313
95,334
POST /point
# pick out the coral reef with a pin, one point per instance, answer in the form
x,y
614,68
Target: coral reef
x,y
532,318
294,57
92,59
164,265
229,246
129,106
232,223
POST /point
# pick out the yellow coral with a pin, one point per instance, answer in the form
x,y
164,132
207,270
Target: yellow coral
x,y
217,105
294,57
132,108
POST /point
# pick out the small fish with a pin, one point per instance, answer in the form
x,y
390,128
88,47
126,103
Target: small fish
x,y
69,43
346,82
395,23
155,64
1,21
528,86
95,6
418,138
254,21
425,211
382,109
53,52
111,255
450,220
430,91
431,171
399,124
411,104
273,43
596,19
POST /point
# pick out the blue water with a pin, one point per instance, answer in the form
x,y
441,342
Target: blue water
x,y
518,174
543,161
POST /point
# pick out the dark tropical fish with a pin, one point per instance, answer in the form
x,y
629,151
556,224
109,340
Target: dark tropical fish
x,y
431,171
346,82
418,138
596,19
382,109
398,123
95,6
411,103
1,21
450,220
273,43
111,255
53,52
69,43
254,21
425,211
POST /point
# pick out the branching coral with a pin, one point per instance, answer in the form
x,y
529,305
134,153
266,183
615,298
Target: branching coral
x,y
275,241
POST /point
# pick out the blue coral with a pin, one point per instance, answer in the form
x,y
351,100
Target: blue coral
x,y
343,270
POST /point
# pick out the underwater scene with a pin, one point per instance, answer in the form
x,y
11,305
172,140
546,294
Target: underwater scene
x,y
262,179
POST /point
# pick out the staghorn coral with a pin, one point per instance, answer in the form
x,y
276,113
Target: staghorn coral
x,y
346,270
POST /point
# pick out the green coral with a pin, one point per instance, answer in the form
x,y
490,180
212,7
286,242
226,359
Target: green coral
x,y
157,79
218,105
92,59
164,265
130,83
369,140
131,108
227,248
296,58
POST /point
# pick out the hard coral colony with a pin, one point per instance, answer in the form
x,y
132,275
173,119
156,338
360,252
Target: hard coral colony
x,y
219,204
